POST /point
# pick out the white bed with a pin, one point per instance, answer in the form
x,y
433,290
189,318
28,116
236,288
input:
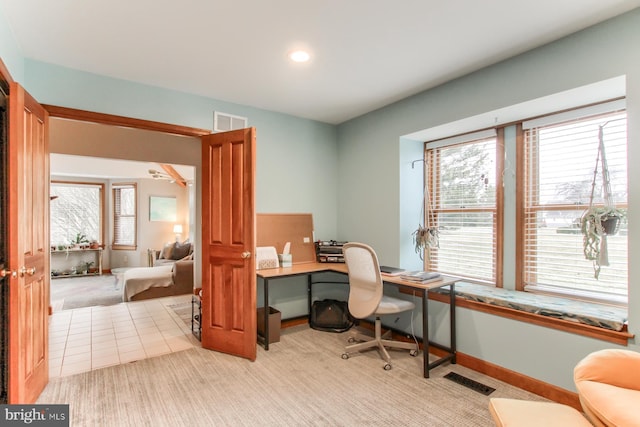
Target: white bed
x,y
136,280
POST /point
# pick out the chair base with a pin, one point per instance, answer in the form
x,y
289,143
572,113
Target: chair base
x,y
380,342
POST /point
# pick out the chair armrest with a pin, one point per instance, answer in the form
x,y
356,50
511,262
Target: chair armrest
x,y
152,256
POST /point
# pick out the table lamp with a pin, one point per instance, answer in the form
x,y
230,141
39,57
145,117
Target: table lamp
x,y
177,229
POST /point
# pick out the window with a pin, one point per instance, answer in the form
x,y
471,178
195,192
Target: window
x,y
560,157
75,210
124,216
462,183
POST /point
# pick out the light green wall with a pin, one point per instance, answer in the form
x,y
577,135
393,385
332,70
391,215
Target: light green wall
x,y
374,166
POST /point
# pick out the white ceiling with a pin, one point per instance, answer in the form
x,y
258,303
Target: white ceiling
x,y
62,165
365,53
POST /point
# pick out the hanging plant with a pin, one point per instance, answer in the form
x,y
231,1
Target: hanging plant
x,y
598,222
425,237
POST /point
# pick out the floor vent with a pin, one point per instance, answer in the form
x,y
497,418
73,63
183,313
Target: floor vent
x,y
468,382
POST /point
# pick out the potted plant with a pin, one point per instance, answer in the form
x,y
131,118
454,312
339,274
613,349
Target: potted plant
x,y
84,267
596,224
601,220
78,240
425,238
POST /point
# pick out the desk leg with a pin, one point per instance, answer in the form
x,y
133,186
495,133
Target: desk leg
x,y
309,293
425,332
266,314
452,318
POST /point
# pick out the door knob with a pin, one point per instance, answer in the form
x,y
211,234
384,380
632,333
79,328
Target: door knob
x,y
245,254
5,273
30,271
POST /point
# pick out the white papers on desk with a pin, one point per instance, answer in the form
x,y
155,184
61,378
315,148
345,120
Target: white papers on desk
x,y
420,276
391,271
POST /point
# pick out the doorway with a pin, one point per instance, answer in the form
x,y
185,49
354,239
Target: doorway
x,y
123,139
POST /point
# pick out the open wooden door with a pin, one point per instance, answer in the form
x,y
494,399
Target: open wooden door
x,y
228,243
28,236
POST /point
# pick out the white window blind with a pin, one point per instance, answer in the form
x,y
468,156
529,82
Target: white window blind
x,y
560,159
124,216
462,185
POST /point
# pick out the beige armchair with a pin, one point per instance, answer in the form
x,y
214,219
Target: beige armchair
x,y
608,384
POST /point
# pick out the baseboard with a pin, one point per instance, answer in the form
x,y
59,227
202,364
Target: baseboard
x,y
516,379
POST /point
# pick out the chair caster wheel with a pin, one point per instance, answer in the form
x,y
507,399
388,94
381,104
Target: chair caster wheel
x,y
387,367
345,356
413,353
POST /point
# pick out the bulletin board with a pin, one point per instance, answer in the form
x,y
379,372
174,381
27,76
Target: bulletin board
x,y
278,229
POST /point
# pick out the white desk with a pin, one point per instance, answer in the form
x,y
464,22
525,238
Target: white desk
x,y
309,269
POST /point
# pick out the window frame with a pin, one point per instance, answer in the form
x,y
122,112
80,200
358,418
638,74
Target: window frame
x,y
119,246
521,207
431,179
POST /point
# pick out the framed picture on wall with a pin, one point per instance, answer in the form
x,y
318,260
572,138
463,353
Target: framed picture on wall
x,y
162,208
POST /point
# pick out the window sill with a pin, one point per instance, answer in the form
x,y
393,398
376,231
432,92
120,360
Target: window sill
x,y
124,248
616,337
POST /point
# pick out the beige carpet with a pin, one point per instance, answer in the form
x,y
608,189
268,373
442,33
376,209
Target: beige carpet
x,y
300,381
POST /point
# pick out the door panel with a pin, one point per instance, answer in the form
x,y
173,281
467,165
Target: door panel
x,y
28,213
228,240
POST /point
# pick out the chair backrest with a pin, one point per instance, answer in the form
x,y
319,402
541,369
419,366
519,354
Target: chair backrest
x,y
365,282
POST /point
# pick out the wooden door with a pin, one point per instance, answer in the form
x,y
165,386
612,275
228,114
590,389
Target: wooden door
x,y
5,272
28,236
228,243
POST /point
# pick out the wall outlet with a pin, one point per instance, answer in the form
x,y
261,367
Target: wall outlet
x,y
306,240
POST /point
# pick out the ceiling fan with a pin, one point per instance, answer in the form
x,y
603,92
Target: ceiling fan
x,y
155,174
169,174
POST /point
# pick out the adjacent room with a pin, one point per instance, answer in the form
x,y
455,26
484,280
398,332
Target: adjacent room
x,y
119,232
491,146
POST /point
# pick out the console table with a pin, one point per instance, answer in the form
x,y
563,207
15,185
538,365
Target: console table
x,y
71,262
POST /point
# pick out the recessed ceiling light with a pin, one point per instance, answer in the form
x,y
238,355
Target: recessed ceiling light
x,y
299,56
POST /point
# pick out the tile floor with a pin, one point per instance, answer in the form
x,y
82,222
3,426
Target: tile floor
x,y
85,339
